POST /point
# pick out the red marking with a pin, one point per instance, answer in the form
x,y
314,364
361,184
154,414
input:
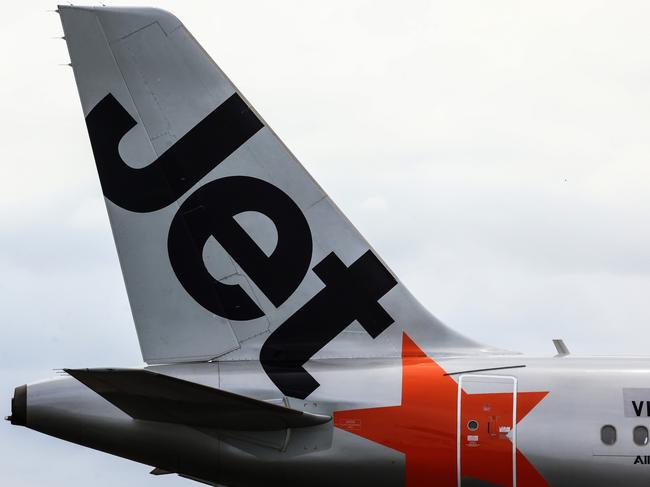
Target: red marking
x,y
423,427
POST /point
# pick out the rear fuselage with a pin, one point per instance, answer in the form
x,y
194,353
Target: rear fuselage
x,y
396,421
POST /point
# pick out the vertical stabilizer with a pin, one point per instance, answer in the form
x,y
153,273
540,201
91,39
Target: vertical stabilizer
x,y
228,247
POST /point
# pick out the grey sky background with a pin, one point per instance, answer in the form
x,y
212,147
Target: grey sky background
x,y
496,154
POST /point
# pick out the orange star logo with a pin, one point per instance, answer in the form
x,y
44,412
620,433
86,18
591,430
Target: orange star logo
x,y
424,426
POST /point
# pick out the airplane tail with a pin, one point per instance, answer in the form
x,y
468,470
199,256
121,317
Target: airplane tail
x,y
229,249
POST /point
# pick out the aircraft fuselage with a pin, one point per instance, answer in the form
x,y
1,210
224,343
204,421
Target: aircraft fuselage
x,y
395,422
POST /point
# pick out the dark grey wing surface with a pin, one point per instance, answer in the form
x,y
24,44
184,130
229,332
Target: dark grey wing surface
x,y
149,396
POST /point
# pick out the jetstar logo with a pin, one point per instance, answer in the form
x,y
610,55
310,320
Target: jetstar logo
x,y
351,293
423,427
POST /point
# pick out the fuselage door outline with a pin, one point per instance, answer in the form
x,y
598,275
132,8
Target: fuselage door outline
x,y
460,425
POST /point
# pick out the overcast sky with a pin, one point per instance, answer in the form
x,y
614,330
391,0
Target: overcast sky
x,y
496,154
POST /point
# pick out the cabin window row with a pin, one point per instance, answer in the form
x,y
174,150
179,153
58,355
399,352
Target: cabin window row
x,y
639,435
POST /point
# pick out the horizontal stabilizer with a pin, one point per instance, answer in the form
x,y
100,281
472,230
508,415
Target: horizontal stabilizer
x,y
150,396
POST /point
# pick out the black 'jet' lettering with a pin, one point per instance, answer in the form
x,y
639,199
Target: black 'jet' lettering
x,y
350,293
209,212
176,170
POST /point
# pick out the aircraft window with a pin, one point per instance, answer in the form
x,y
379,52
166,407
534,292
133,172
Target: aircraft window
x,y
608,434
641,435
472,425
